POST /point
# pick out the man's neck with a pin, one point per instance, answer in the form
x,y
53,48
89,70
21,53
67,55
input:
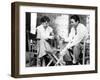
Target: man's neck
x,y
76,26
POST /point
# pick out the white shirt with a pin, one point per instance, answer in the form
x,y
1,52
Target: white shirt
x,y
73,38
43,33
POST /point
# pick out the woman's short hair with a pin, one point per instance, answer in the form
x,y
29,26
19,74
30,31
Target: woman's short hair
x,y
75,17
44,19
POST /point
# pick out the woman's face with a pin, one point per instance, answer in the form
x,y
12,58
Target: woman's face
x,y
45,24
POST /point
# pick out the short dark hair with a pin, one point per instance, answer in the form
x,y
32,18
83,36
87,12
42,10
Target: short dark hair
x,y
75,17
44,19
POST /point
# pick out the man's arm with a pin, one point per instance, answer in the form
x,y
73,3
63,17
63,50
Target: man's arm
x,y
71,35
78,38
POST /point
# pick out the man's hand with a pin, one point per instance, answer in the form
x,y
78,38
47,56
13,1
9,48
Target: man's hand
x,y
51,37
63,51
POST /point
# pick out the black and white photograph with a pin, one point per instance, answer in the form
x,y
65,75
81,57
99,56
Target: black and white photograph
x,y
51,39
57,39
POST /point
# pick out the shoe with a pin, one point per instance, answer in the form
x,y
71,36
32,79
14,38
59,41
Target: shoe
x,y
69,63
75,63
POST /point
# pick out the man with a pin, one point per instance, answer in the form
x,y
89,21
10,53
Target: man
x,y
44,32
77,34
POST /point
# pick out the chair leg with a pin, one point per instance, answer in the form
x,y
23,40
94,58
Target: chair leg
x,y
59,61
84,54
38,62
50,62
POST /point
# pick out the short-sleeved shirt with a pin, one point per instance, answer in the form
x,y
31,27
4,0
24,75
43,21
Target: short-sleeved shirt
x,y
43,33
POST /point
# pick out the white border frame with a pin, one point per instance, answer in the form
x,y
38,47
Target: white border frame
x,y
38,70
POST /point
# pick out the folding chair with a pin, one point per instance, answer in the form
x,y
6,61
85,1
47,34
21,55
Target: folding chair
x,y
53,56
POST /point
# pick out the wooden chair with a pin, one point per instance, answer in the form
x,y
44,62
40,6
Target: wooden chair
x,y
85,48
86,56
32,49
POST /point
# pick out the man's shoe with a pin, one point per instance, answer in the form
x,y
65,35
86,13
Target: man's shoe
x,y
69,63
75,63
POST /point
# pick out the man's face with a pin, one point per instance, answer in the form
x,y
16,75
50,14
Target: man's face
x,y
45,24
73,23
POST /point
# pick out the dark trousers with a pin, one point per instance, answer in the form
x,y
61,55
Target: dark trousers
x,y
72,55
